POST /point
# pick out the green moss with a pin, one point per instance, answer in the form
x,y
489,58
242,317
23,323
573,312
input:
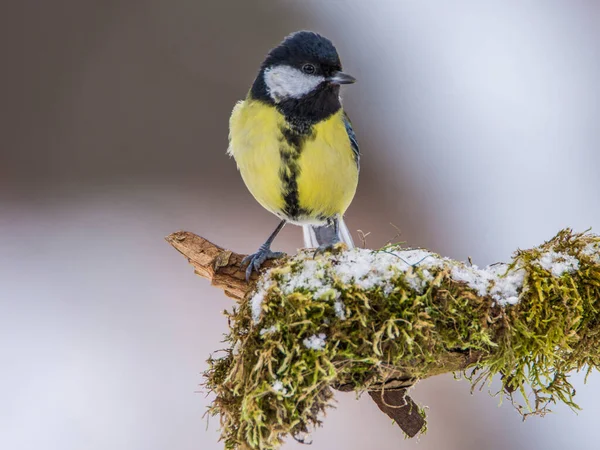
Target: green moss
x,y
415,323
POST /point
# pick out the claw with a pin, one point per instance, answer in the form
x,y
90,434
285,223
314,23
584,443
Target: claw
x,y
257,259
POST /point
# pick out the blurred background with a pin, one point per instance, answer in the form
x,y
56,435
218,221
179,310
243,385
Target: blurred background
x,y
478,124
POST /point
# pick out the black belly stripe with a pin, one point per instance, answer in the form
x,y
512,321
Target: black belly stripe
x,y
293,138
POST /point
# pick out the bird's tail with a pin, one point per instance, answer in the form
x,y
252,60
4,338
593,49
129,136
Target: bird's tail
x,y
315,236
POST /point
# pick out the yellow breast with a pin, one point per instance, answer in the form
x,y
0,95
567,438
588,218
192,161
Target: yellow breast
x,y
328,171
254,141
304,181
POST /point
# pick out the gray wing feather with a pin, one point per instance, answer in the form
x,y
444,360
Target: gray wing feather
x,y
353,140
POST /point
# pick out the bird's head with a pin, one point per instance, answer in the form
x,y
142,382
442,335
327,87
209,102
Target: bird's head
x,y
304,65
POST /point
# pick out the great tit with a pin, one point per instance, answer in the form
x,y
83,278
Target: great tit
x,y
294,144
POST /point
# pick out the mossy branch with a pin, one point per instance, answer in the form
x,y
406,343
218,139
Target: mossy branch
x,y
368,320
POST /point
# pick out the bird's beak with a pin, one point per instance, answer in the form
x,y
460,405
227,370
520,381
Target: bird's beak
x,y
341,78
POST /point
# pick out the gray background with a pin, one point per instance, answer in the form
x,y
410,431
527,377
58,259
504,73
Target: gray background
x,y
478,127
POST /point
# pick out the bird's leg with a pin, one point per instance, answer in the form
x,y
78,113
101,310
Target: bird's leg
x,y
336,236
264,252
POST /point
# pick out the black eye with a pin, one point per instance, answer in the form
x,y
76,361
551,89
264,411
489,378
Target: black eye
x,y
308,68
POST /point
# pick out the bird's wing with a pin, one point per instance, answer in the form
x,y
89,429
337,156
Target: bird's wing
x,y
353,141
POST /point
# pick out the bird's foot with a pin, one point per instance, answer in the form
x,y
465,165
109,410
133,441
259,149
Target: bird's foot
x,y
255,260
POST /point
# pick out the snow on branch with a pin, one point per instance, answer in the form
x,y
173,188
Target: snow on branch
x,y
380,320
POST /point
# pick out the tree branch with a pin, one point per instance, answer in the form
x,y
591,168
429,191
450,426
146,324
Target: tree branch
x,y
221,267
378,320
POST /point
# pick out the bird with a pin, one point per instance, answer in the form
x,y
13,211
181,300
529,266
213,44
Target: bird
x,y
294,144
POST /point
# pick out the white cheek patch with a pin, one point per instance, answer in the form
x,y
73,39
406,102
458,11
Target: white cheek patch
x,y
286,81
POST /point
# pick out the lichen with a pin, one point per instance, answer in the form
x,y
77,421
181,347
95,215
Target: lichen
x,y
358,318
